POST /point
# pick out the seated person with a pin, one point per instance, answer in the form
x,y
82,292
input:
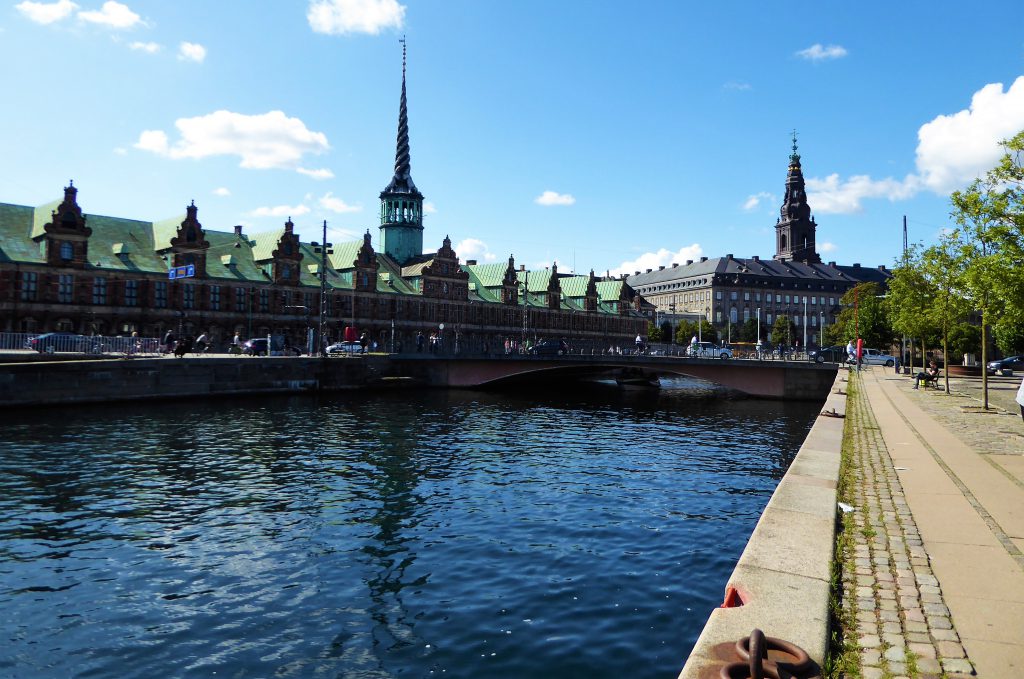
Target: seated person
x,y
928,375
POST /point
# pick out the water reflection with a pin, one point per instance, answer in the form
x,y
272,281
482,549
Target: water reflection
x,y
522,534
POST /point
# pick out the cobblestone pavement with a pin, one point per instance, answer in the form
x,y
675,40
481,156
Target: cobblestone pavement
x,y
902,624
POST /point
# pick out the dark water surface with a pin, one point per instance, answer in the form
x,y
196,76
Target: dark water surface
x,y
419,534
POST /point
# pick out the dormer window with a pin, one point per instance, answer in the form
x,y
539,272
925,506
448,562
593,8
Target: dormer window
x,y
286,271
67,253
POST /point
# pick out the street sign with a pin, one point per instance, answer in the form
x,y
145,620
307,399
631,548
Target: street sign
x,y
182,272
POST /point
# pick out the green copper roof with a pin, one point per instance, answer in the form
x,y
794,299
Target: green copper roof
x,y
15,235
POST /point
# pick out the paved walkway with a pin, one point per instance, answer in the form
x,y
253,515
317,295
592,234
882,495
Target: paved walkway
x,y
938,584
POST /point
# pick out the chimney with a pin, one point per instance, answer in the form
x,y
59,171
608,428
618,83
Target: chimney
x,y
703,259
648,271
238,229
831,265
661,268
689,262
637,273
756,258
729,256
881,267
856,265
470,262
675,265
522,267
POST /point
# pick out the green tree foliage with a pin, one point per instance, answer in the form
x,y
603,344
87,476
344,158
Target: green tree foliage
x,y
963,338
747,332
687,330
990,227
666,331
783,331
863,312
653,333
910,297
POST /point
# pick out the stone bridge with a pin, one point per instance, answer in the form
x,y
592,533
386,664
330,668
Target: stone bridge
x,y
766,379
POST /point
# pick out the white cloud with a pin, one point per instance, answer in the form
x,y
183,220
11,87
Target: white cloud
x,y
147,47
826,247
280,211
190,51
119,151
322,173
333,204
753,201
46,12
832,195
338,17
113,14
429,209
221,191
553,198
737,86
954,149
818,52
154,141
474,248
264,141
663,257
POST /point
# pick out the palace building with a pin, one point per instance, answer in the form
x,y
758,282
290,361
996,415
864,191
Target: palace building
x,y
62,269
731,290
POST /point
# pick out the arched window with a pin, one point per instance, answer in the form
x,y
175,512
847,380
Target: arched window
x,y
782,242
732,315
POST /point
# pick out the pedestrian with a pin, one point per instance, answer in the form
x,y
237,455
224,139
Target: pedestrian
x,y
1020,399
896,365
168,345
851,352
202,342
420,340
364,341
639,344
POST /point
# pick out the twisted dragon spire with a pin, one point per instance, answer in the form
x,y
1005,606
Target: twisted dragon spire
x,y
402,168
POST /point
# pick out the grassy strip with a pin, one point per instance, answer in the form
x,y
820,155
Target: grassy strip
x,y
844,652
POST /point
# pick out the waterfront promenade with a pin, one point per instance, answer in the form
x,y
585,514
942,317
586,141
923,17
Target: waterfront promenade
x,y
936,582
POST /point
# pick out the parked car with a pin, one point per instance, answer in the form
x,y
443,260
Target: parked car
x,y
550,348
709,350
256,346
836,354
1008,363
345,348
56,341
876,357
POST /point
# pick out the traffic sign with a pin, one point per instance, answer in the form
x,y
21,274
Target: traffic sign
x,y
188,271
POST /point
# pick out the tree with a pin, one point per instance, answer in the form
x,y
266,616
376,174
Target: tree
x,y
748,331
864,315
783,331
688,330
653,333
666,331
909,298
948,306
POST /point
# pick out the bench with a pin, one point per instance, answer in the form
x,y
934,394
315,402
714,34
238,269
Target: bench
x,y
926,379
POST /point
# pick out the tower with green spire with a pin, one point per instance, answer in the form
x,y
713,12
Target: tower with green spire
x,y
795,229
401,203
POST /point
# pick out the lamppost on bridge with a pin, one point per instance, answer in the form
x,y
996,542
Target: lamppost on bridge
x,y
805,324
323,251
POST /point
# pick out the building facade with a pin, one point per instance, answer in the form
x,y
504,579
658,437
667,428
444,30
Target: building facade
x,y
62,269
728,291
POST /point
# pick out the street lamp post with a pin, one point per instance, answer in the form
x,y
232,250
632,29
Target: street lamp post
x,y
805,324
323,251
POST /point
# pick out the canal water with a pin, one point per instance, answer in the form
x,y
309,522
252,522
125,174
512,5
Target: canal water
x,y
419,534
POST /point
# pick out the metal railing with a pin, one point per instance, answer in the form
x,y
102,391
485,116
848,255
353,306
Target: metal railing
x,y
69,343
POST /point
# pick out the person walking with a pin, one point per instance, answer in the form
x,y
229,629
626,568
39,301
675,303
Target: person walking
x,y
639,344
169,338
1020,399
420,341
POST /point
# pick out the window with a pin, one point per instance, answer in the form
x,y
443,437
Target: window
x,y
814,321
746,296
746,315
757,296
732,295
29,285
768,318
67,252
814,300
831,301
768,297
239,299
160,295
188,293
65,288
787,299
732,315
131,293
287,297
718,317
99,290
718,295
215,297
264,301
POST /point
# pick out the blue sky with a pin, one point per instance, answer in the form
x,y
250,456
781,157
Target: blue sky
x,y
612,136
